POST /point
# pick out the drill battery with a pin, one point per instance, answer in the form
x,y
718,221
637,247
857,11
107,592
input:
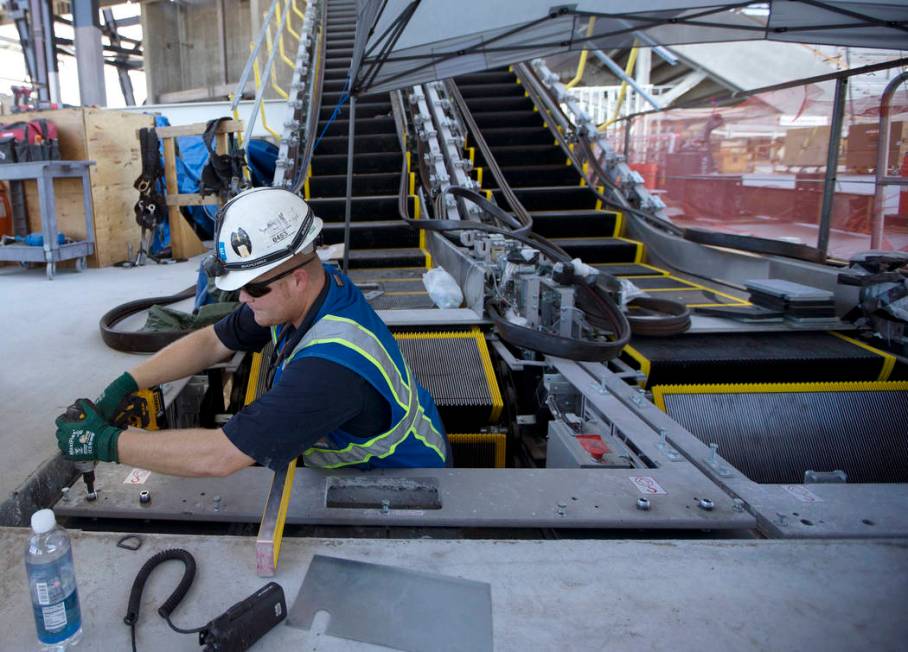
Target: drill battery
x,y
142,409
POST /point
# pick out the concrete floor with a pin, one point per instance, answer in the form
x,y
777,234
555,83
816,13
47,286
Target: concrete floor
x,y
546,595
52,353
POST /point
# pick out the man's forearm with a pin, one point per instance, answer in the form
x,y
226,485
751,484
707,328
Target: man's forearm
x,y
190,452
187,356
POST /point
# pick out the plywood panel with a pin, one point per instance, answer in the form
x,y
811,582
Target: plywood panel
x,y
108,138
111,141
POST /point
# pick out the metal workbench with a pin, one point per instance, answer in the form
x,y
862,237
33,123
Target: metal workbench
x,y
44,173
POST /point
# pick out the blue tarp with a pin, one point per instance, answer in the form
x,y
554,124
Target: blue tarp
x,y
192,155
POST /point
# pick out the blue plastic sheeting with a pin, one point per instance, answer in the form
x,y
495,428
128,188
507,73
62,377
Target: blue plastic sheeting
x,y
192,155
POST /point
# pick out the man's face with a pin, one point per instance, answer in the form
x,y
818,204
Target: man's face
x,y
276,307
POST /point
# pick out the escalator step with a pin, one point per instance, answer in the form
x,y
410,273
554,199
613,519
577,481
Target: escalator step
x,y
490,90
567,224
335,185
362,209
630,269
373,125
773,435
477,104
363,110
362,144
599,250
396,257
536,175
371,235
505,136
336,73
326,165
509,156
755,358
507,119
551,198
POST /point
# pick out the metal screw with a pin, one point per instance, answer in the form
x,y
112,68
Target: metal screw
x,y
144,497
706,504
385,506
713,450
643,504
561,508
217,503
662,438
738,505
65,492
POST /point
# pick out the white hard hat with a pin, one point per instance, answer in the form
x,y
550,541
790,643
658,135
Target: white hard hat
x,y
257,231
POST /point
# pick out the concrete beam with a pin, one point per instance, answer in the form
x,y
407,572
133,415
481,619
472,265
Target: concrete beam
x,y
89,53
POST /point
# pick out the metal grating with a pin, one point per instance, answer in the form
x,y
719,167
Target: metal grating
x,y
450,368
773,437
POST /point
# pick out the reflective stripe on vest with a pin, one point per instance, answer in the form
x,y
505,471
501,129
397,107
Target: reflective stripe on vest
x,y
332,329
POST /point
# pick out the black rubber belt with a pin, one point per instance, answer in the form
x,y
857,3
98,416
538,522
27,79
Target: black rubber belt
x,y
140,342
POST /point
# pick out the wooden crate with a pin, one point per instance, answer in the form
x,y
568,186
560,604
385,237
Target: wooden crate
x,y
806,147
109,139
863,145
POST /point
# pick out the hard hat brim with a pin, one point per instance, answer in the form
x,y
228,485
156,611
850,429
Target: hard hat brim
x,y
235,279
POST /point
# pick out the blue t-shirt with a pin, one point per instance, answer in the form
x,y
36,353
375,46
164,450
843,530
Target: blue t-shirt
x,y
312,398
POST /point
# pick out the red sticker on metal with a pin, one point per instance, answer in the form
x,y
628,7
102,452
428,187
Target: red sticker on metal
x,y
594,445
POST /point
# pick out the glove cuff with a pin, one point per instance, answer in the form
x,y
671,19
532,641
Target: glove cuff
x,y
107,445
127,383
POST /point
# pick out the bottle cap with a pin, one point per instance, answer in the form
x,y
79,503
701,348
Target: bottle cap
x,y
43,521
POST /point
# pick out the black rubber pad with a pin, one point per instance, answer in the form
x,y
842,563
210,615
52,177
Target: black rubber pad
x,y
755,357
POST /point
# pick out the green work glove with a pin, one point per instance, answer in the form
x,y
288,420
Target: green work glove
x,y
113,396
83,435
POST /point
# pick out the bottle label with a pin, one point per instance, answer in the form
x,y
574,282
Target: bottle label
x,y
55,600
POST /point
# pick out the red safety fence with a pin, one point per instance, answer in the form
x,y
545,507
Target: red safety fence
x,y
758,167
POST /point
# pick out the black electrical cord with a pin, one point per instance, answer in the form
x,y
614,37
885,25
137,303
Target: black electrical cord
x,y
135,595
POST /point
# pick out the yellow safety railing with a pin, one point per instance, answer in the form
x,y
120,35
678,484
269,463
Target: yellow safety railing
x,y
581,65
258,82
290,29
622,92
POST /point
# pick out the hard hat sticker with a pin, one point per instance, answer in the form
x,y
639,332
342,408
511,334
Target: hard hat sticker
x,y
241,244
222,251
279,228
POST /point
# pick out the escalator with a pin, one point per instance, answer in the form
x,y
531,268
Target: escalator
x,y
718,385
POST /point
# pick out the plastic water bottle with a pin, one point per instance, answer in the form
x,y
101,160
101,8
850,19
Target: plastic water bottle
x,y
52,581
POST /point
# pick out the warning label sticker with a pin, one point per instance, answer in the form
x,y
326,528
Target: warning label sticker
x,y
647,485
802,493
137,476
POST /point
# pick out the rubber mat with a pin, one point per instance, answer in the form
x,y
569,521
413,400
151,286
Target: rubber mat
x,y
754,357
774,433
456,369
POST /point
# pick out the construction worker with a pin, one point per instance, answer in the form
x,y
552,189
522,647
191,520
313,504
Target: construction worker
x,y
339,392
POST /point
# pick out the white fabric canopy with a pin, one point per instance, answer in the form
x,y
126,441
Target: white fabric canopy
x,y
404,42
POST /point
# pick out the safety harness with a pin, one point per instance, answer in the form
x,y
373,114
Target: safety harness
x,y
223,174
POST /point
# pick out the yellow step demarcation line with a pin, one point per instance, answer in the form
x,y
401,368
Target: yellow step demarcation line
x,y
888,358
475,334
638,253
662,272
642,360
497,439
619,223
660,391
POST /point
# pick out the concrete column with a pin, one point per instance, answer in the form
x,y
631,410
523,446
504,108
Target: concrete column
x,y
89,53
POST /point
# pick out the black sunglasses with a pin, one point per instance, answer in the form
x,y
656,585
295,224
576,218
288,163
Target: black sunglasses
x,y
259,289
